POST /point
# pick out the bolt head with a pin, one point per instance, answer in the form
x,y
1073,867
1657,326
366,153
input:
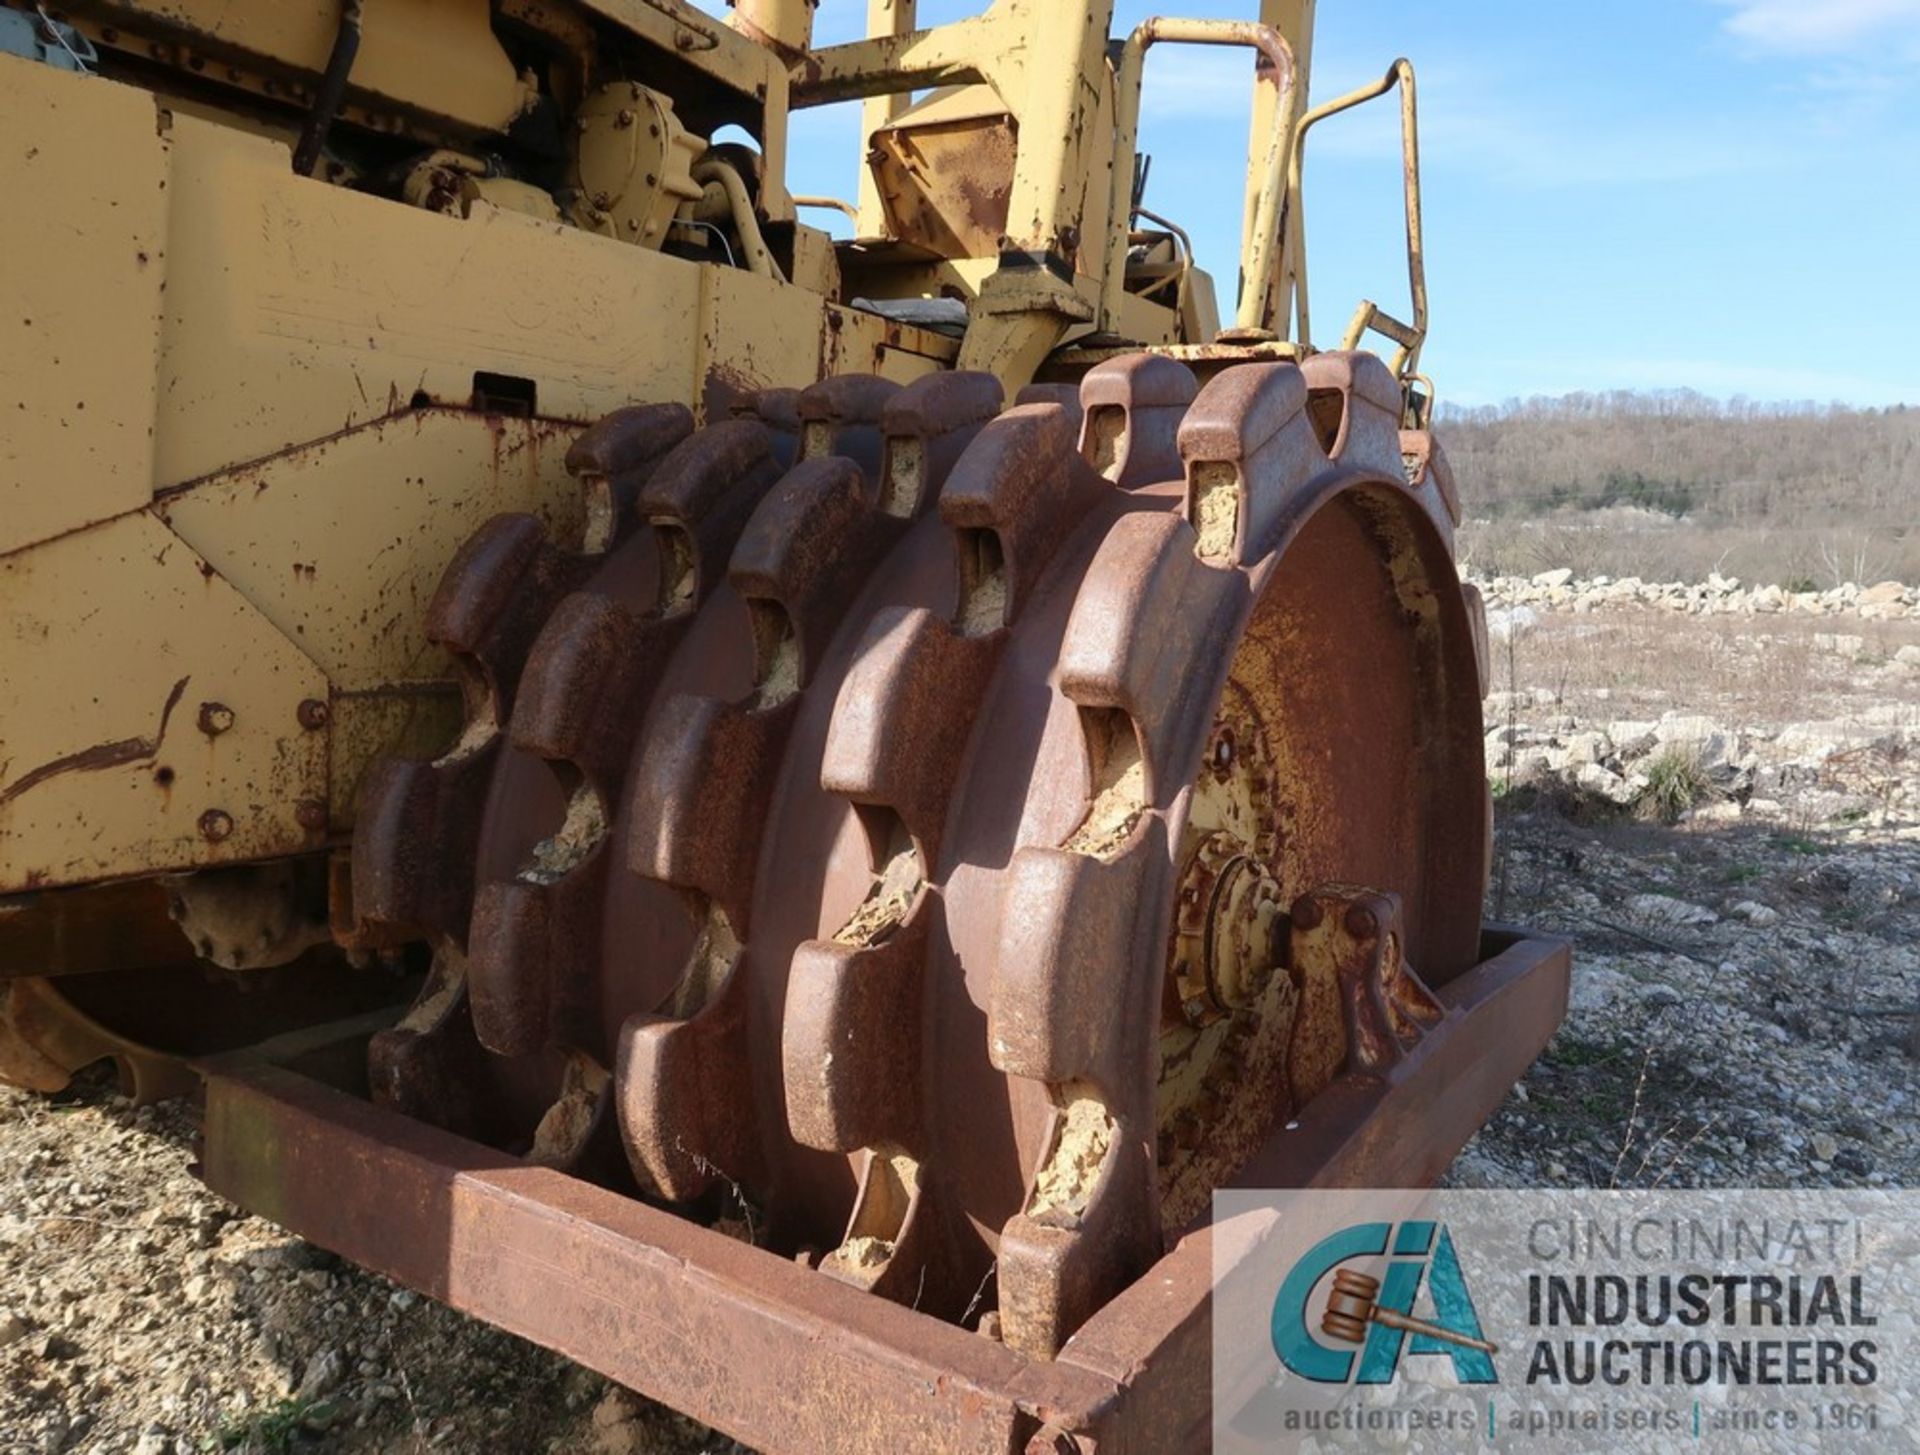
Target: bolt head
x,y
313,714
1307,912
1361,922
216,824
311,814
215,718
1223,750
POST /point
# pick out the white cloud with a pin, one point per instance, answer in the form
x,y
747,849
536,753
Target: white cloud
x,y
1545,148
1476,115
1193,83
1826,27
1861,56
1495,123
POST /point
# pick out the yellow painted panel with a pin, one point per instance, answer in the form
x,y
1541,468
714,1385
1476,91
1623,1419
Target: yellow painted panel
x,y
111,641
867,343
295,310
340,544
81,237
903,367
756,333
759,334
703,41
437,55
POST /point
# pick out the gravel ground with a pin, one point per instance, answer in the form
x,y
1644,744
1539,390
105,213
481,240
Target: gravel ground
x,y
1740,1017
1746,979
138,1312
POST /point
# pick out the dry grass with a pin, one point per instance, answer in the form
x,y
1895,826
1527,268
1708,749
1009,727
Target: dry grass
x,y
1677,782
1742,670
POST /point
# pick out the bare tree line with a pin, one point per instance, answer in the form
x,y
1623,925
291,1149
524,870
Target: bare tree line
x,y
1639,482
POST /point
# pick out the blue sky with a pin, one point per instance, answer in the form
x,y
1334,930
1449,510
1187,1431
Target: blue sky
x,y
1716,194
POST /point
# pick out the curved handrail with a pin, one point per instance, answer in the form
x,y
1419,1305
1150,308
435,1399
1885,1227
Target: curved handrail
x,y
1410,337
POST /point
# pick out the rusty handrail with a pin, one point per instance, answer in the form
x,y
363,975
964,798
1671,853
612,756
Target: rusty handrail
x,y
1269,211
1410,337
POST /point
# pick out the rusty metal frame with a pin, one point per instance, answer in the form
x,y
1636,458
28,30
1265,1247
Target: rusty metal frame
x,y
885,18
1264,232
893,60
991,48
1029,303
779,1356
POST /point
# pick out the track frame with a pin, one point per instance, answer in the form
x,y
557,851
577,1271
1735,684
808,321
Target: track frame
x,y
774,1354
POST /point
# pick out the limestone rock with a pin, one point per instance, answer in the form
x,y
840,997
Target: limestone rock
x,y
1664,909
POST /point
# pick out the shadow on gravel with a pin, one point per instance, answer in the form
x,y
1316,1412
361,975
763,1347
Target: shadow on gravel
x,y
1746,1001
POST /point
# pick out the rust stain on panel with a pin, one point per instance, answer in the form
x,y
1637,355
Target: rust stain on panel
x,y
101,755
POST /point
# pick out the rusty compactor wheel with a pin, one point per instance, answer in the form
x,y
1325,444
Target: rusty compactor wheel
x,y
960,837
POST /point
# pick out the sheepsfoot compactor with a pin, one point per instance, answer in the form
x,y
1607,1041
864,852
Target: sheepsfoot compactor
x,y
772,812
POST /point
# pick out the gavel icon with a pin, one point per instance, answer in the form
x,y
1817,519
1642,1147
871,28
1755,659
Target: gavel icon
x,y
1353,1305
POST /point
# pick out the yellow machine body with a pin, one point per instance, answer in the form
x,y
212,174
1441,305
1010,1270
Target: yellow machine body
x,y
255,411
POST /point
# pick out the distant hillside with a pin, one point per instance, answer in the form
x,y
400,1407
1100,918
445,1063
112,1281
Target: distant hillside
x,y
1630,484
